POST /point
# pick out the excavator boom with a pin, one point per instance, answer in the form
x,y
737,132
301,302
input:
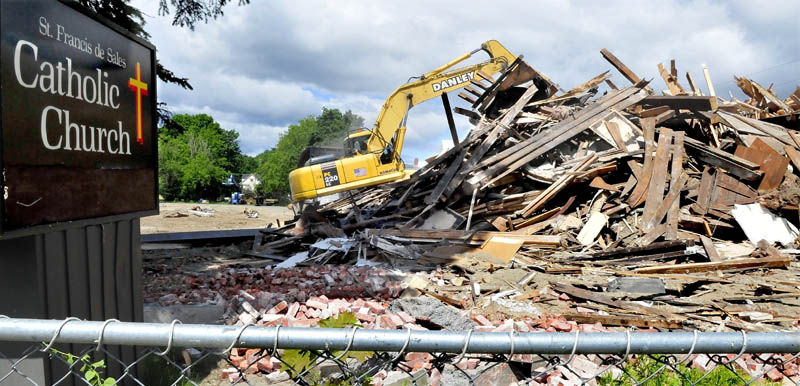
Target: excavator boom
x,y
380,162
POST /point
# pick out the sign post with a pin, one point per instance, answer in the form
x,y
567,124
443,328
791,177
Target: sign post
x,y
78,154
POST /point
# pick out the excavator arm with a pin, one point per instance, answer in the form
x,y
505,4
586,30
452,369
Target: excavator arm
x,y
431,85
381,162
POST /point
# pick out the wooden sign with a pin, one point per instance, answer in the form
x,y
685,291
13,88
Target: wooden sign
x,y
78,125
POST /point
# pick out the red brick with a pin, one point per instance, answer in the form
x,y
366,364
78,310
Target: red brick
x,y
435,378
303,322
292,310
365,317
396,320
278,308
561,325
264,365
482,320
375,307
774,375
386,322
316,304
419,356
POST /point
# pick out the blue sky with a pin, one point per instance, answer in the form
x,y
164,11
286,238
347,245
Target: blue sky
x,y
264,66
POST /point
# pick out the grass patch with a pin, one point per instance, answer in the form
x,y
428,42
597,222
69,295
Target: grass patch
x,y
645,366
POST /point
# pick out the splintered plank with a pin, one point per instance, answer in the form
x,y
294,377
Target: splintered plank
x,y
750,125
672,84
761,262
459,235
654,112
688,102
638,194
770,162
609,301
500,128
711,250
517,155
666,205
655,191
624,321
737,166
695,90
652,235
473,91
448,175
597,221
467,113
676,177
622,68
467,97
794,156
558,186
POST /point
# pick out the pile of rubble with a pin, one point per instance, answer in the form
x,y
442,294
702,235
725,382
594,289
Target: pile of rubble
x,y
671,197
626,209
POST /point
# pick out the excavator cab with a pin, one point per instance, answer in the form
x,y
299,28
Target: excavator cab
x,y
356,143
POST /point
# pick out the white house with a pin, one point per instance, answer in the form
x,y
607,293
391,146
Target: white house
x,y
249,182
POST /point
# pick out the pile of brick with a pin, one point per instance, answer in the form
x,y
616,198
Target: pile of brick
x,y
372,314
172,284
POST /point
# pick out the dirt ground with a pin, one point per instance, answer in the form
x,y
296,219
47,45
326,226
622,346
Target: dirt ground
x,y
226,217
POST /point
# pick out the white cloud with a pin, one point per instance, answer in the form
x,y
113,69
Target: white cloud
x,y
266,65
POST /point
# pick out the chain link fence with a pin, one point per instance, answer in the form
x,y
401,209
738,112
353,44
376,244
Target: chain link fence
x,y
177,354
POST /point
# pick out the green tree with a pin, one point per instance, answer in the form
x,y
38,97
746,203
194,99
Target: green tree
x,y
333,127
196,155
187,14
274,171
247,164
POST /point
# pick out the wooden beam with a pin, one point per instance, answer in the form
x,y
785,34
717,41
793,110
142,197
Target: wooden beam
x,y
695,90
687,102
655,190
674,88
711,250
655,111
676,179
763,262
473,91
737,166
624,321
794,156
449,114
708,81
467,97
458,235
467,113
622,68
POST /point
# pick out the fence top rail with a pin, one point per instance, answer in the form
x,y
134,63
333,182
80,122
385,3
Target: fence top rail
x,y
225,337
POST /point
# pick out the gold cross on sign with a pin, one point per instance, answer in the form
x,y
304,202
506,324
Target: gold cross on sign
x,y
140,88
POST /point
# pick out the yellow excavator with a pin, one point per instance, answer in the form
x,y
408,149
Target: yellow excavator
x,y
372,157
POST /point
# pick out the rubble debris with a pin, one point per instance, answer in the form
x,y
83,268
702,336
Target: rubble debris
x,y
620,185
584,210
251,213
432,312
202,212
